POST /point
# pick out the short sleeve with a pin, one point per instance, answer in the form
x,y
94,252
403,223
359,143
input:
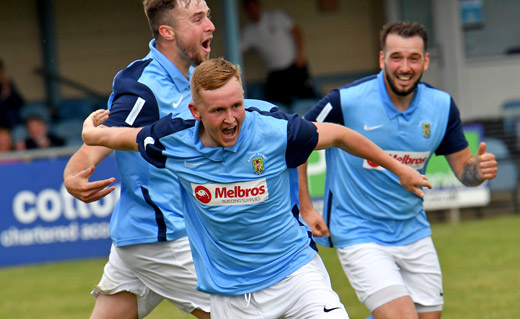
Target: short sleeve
x,y
302,138
454,139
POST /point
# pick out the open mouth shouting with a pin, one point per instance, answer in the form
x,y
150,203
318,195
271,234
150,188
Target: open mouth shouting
x,y
229,135
206,45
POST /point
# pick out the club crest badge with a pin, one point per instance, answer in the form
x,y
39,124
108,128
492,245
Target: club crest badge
x,y
426,128
257,160
258,165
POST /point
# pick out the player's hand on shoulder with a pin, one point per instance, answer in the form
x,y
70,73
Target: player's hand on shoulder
x,y
88,134
95,118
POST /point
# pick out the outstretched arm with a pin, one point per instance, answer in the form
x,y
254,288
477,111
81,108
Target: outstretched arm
x,y
117,138
307,211
333,135
471,170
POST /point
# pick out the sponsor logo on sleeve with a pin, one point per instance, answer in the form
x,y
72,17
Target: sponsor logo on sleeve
x,y
228,194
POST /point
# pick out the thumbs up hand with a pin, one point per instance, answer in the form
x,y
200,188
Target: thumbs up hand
x,y
486,163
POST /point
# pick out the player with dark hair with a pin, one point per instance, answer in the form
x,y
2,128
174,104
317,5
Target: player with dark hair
x,y
380,231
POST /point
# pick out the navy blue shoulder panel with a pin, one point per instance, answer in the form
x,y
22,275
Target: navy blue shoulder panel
x,y
334,112
454,139
330,105
360,81
302,136
148,139
129,93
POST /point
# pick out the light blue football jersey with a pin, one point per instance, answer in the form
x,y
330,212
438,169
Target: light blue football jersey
x,y
243,233
364,202
293,172
145,91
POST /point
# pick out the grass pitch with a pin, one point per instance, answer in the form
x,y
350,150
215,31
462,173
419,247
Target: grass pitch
x,y
480,261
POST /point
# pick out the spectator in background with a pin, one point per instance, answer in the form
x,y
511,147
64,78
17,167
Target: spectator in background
x,y
39,135
6,145
10,100
6,141
279,41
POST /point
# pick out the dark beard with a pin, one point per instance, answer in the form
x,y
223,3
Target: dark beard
x,y
402,93
195,60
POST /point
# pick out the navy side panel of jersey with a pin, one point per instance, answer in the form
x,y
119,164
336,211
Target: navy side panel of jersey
x,y
159,216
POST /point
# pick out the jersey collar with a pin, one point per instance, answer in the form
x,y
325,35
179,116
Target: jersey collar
x,y
391,110
178,78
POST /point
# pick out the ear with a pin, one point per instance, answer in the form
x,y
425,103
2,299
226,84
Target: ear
x,y
426,62
167,32
381,60
194,111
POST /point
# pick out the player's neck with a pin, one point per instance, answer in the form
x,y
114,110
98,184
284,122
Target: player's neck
x,y
171,53
402,103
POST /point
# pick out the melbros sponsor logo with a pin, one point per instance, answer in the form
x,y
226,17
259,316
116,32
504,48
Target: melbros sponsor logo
x,y
242,193
416,160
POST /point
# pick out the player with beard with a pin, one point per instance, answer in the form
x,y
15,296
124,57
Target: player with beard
x,y
150,258
380,230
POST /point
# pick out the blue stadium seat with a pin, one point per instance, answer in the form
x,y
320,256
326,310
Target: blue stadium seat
x,y
77,108
70,130
35,108
19,133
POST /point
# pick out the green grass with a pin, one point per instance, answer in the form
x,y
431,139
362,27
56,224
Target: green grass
x,y
480,261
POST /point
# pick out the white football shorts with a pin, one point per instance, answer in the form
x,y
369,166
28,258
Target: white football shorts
x,y
380,273
305,294
154,272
